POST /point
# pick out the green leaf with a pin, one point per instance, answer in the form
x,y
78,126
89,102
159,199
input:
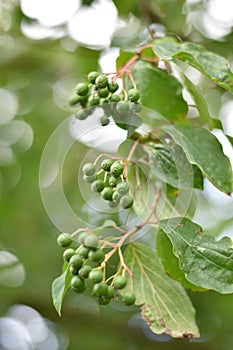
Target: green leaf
x,y
123,58
170,164
59,288
201,104
203,149
157,88
208,63
205,262
170,262
165,305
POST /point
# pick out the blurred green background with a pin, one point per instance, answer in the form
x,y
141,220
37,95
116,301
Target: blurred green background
x,y
45,49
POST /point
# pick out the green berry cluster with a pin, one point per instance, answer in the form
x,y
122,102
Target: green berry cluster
x,y
109,181
87,270
101,91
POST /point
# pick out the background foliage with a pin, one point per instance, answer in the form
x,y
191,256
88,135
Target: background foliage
x,y
40,74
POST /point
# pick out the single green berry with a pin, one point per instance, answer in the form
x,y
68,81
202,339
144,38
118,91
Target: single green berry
x,y
116,196
96,255
126,201
116,169
89,169
97,185
68,253
113,86
106,164
73,100
91,242
122,107
82,236
89,178
93,100
96,276
104,120
133,95
110,292
81,114
101,81
107,193
113,181
92,77
84,271
100,289
77,261
82,89
83,251
77,282
64,240
128,298
114,98
103,92
122,188
119,282
103,300
73,270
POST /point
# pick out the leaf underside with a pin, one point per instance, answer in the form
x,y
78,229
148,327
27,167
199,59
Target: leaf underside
x,y
165,305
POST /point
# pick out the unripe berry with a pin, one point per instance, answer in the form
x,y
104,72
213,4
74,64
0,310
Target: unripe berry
x,y
82,236
81,114
122,188
103,92
77,284
89,169
133,95
116,169
91,242
68,253
126,201
64,240
96,276
113,86
89,178
107,193
129,298
114,98
113,181
97,186
83,251
92,77
84,271
73,100
110,292
82,89
119,282
104,120
77,261
93,100
100,289
97,255
101,81
106,164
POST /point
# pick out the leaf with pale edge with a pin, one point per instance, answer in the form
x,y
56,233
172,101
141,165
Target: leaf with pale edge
x,y
203,149
205,262
59,288
165,304
208,63
164,249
